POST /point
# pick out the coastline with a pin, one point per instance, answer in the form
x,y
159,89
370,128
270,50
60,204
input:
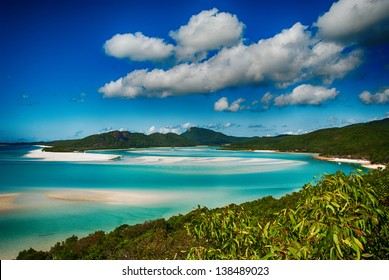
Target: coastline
x,y
361,162
69,156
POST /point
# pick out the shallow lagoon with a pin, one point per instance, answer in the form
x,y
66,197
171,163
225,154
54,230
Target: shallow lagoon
x,y
58,199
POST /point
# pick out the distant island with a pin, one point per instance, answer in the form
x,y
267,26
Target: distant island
x,y
367,141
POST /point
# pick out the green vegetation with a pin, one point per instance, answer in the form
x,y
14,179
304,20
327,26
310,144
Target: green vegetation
x,y
126,140
362,141
337,216
119,140
203,136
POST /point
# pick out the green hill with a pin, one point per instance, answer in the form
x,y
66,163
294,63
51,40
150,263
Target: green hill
x,y
203,136
119,140
125,140
364,141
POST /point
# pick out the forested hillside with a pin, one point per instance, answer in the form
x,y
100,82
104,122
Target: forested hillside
x,y
362,141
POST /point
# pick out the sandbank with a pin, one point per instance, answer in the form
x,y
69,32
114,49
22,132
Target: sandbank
x,y
133,197
7,201
362,162
71,156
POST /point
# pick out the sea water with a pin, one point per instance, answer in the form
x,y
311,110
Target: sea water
x,y
177,180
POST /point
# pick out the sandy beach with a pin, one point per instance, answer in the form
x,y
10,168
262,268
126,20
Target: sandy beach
x,y
7,201
133,197
362,162
75,156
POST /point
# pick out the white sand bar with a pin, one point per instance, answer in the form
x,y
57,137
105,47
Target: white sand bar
x,y
133,197
75,156
7,201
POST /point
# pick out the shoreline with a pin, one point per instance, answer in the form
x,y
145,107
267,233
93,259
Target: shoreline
x,y
361,162
69,156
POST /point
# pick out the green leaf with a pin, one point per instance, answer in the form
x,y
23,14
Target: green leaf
x,y
335,238
330,207
358,243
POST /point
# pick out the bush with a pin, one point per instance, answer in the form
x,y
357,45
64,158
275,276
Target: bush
x,y
338,218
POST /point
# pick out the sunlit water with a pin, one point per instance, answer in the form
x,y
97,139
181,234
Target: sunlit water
x,y
177,180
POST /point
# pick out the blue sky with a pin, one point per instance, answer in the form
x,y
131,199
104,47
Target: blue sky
x,y
69,69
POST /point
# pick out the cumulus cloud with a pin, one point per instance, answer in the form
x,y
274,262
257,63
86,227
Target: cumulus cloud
x,y
208,30
355,21
152,129
287,58
381,97
306,95
222,105
138,47
188,125
167,129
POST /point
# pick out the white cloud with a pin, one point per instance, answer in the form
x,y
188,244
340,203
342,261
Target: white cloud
x,y
222,105
152,129
208,30
326,61
220,126
267,98
353,21
381,97
167,129
106,129
297,132
188,125
138,47
287,58
306,95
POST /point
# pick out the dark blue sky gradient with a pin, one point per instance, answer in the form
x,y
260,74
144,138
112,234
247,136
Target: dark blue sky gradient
x,y
52,64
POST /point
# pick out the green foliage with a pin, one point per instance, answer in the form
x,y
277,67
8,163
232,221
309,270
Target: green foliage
x,y
365,141
202,136
337,217
226,234
32,254
120,140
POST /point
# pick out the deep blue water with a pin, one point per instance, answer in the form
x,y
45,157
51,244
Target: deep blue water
x,y
183,178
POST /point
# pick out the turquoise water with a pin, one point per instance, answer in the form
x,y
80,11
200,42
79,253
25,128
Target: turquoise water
x,y
173,181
